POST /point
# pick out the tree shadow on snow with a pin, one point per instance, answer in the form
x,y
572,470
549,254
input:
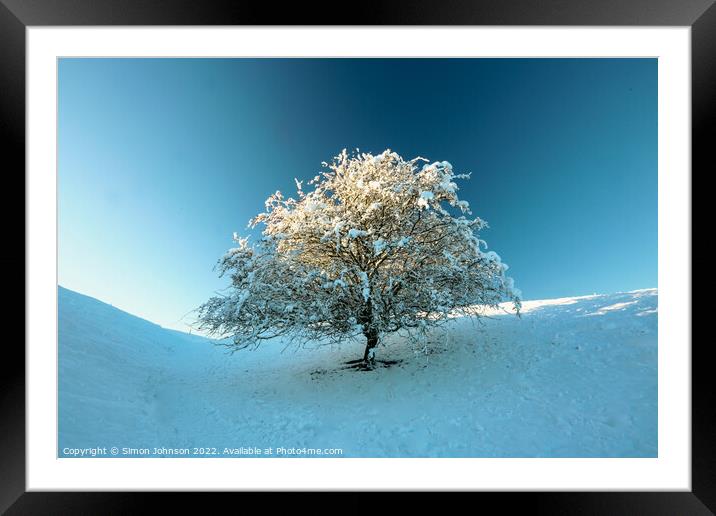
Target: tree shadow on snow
x,y
357,365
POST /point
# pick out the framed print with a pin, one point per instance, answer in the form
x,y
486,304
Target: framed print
x,y
363,332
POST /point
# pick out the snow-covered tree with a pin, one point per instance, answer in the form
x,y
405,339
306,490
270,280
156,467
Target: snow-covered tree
x,y
378,245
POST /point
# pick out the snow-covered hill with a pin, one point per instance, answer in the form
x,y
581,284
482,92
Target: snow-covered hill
x,y
573,377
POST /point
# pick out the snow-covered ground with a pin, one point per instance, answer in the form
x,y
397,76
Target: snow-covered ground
x,y
573,377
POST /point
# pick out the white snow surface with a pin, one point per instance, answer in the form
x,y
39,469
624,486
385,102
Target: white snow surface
x,y
573,377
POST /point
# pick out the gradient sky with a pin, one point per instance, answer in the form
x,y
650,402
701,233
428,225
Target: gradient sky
x,y
161,160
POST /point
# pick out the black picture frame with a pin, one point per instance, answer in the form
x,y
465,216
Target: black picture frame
x,y
17,15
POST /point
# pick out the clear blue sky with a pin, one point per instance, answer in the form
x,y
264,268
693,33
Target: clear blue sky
x,y
161,160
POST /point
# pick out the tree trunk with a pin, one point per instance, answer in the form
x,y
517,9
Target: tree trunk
x,y
371,335
371,342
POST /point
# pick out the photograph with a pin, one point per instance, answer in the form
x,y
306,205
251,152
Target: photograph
x,y
357,257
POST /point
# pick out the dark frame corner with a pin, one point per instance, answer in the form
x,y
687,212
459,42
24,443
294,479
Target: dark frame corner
x,y
17,15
